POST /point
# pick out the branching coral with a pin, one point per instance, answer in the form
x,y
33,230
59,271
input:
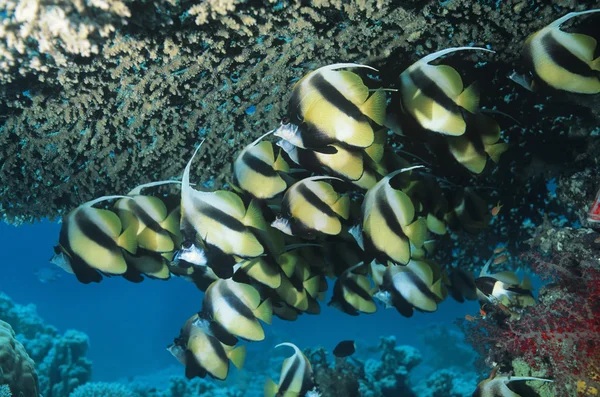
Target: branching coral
x,y
84,124
561,334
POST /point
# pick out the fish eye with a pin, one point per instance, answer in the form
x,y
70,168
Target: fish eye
x,y
187,244
285,121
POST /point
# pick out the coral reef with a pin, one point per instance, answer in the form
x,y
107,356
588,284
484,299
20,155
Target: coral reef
x,y
560,336
5,391
95,389
448,382
445,347
101,94
17,369
388,376
61,361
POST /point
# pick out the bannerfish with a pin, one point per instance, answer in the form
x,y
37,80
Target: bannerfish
x,y
480,141
237,308
296,377
256,170
409,287
345,348
389,223
561,60
434,94
471,211
503,288
353,293
497,386
344,162
155,226
329,105
91,240
312,206
219,221
204,354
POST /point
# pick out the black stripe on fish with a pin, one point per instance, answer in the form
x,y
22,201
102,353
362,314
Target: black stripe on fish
x,y
421,286
314,200
235,303
431,90
93,232
387,213
336,98
565,58
218,349
258,166
485,284
290,374
145,218
223,218
353,287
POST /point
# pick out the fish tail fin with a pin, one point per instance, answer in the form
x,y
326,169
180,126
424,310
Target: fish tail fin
x,y
280,164
171,222
128,240
469,98
238,356
438,290
270,389
595,65
417,232
496,150
374,107
342,206
264,311
312,286
254,217
526,283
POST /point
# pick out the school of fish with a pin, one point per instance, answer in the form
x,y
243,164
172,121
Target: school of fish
x,y
330,200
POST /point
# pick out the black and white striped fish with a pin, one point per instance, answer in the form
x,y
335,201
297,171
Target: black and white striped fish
x,y
237,307
561,60
203,354
329,105
91,240
434,94
296,378
255,170
310,206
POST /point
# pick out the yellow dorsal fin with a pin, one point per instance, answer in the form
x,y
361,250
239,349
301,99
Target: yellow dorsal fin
x,y
469,98
374,107
153,241
349,84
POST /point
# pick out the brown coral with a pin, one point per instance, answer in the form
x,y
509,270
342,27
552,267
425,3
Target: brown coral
x,y
16,368
127,99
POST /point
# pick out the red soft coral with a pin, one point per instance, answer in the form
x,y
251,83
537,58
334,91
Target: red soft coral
x,y
560,335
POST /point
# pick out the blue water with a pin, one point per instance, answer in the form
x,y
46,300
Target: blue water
x,y
130,325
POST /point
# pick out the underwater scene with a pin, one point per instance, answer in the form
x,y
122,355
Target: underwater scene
x,y
320,198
